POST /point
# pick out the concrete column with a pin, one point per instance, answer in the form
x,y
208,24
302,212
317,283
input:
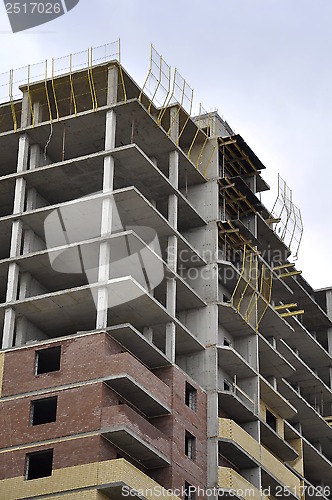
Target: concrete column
x,y
173,210
110,130
19,196
32,242
174,168
173,165
25,283
329,331
37,113
174,118
35,155
170,341
26,111
171,296
16,238
107,205
23,153
172,250
148,333
37,158
21,330
8,328
329,303
155,162
31,199
112,89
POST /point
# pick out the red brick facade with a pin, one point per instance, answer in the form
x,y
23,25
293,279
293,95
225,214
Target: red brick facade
x,y
87,408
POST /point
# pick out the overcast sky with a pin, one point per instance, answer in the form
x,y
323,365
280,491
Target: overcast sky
x,y
265,65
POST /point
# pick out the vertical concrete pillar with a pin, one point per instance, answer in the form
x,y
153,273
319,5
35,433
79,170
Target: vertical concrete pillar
x,y
148,333
21,329
173,166
107,205
35,155
25,283
329,331
112,85
37,113
16,238
155,162
26,111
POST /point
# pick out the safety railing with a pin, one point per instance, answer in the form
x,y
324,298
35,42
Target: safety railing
x,y
164,88
78,82
287,218
83,87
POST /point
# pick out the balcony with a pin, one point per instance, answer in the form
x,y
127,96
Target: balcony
x,y
305,376
239,405
245,452
230,275
113,477
271,362
272,440
107,477
311,351
233,363
316,465
233,321
64,273
72,310
135,436
275,400
233,485
132,206
315,318
138,385
133,341
314,426
69,179
155,139
271,324
237,445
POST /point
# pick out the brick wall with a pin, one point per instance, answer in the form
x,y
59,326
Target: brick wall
x,y
183,419
92,406
66,454
83,358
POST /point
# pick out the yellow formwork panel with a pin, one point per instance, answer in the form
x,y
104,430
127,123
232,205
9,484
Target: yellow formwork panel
x,y
298,463
284,475
229,479
228,429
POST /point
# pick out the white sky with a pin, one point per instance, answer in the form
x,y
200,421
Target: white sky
x,y
264,64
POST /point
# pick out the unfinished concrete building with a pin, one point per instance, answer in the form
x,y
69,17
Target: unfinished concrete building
x,y
155,333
